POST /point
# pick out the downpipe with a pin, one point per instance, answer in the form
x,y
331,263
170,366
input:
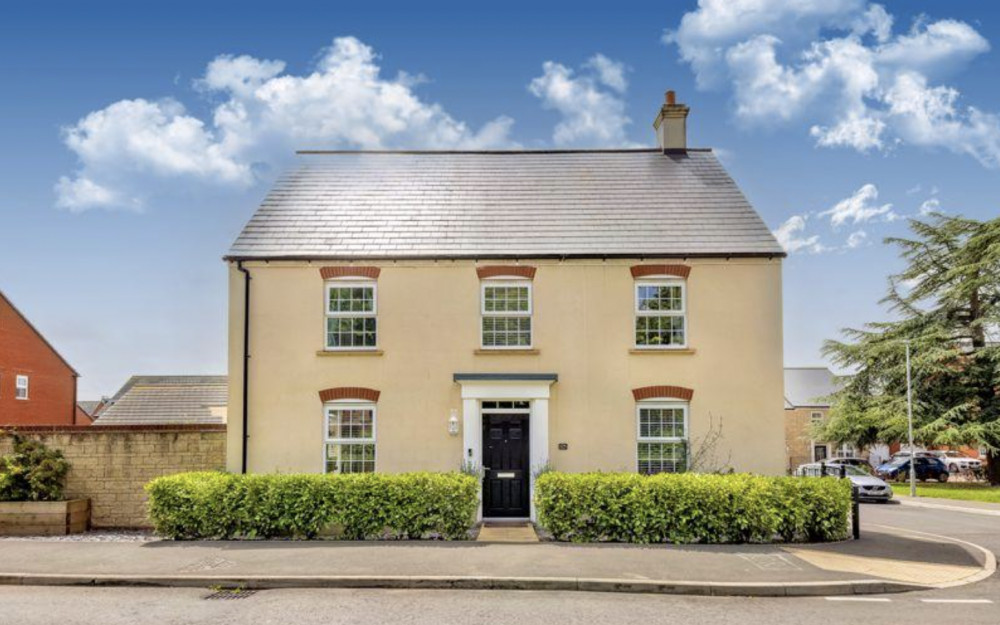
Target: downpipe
x,y
246,363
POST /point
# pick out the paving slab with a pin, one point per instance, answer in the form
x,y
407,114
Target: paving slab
x,y
880,561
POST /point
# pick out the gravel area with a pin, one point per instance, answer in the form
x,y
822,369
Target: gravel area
x,y
96,536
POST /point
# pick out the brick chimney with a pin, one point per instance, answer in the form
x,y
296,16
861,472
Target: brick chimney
x,y
671,126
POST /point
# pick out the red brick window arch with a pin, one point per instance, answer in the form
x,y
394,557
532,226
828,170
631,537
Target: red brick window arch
x,y
358,393
644,393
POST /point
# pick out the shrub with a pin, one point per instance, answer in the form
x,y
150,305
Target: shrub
x,y
33,472
362,506
691,508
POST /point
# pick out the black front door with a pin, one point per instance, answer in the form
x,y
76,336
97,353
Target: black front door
x,y
505,463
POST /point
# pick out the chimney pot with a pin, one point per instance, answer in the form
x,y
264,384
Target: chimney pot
x,y
671,125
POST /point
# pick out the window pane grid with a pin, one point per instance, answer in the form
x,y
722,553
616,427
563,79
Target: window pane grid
x,y
350,458
659,330
350,316
662,444
350,440
506,331
21,387
660,297
661,423
351,299
506,299
351,332
506,315
660,316
662,458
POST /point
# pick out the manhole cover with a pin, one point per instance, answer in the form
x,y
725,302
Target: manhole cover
x,y
231,593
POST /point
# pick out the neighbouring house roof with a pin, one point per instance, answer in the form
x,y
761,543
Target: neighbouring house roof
x,y
37,333
505,204
91,406
88,406
809,387
168,400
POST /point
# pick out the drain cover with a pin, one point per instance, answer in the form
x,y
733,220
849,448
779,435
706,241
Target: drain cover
x,y
231,593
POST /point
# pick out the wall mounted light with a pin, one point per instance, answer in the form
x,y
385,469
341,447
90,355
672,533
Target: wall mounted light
x,y
453,423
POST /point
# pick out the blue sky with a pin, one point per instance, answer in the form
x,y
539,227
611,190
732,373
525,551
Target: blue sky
x,y
138,137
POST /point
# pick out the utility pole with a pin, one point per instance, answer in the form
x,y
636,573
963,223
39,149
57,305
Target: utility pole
x,y
909,419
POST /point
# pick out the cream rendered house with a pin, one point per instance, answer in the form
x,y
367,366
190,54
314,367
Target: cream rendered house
x,y
584,310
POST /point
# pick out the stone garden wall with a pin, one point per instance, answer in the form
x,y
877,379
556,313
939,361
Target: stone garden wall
x,y
111,464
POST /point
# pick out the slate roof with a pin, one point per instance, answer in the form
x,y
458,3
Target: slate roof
x,y
554,203
89,406
168,400
808,386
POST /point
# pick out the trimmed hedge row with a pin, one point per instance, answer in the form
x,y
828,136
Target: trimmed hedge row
x,y
692,508
209,505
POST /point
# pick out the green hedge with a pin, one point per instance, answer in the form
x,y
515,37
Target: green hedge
x,y
692,508
359,507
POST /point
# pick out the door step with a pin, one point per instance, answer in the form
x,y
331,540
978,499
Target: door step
x,y
499,532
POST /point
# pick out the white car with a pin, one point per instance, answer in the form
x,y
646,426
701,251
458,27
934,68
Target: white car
x,y
956,461
870,488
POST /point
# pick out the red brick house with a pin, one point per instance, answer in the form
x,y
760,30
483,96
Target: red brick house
x,y
37,385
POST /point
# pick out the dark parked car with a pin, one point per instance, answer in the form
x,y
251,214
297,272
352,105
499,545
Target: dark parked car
x,y
925,468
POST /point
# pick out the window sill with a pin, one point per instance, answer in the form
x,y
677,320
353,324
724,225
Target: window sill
x,y
349,352
662,350
506,352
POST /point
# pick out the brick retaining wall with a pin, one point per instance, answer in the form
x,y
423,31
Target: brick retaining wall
x,y
111,464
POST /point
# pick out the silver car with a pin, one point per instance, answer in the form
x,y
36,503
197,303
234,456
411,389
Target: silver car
x,y
957,461
870,488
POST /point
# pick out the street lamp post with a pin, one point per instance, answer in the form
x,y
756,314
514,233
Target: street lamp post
x,y
909,421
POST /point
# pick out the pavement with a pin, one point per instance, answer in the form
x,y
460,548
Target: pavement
x,y
970,604
886,559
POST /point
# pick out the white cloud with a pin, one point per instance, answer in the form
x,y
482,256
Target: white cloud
x,y
930,205
857,239
789,236
592,115
859,208
859,132
134,147
836,67
79,194
928,116
933,47
610,73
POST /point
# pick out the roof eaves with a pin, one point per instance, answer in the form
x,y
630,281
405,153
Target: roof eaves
x,y
317,152
547,256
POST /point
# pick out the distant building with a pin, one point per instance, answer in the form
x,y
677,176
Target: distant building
x,y
167,400
807,402
37,385
92,408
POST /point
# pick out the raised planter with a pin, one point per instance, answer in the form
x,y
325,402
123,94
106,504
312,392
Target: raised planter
x,y
44,518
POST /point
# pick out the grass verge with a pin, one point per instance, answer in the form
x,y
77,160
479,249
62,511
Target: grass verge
x,y
964,491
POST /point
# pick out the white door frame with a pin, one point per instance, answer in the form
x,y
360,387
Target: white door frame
x,y
533,388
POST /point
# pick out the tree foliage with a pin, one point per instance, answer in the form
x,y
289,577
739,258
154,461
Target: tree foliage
x,y
946,303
